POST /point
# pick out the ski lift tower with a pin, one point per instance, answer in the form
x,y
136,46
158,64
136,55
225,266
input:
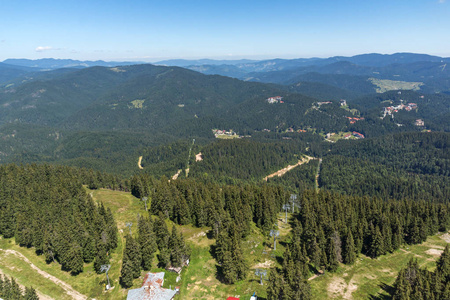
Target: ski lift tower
x,y
293,200
145,201
285,208
129,224
261,273
275,234
105,268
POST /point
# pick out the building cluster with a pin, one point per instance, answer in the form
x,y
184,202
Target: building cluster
x,y
219,132
343,102
353,120
358,135
321,103
419,122
393,109
290,129
276,99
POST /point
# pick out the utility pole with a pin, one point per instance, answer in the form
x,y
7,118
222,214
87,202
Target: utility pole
x,y
105,268
275,234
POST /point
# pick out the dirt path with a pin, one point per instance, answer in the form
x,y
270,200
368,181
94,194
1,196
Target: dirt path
x,y
139,163
174,177
69,290
316,275
316,184
40,295
283,171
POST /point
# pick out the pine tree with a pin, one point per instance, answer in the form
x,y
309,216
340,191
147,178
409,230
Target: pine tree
x,y
133,254
443,264
333,262
275,285
126,274
229,268
101,258
175,246
146,240
376,247
402,287
161,232
30,294
350,253
88,249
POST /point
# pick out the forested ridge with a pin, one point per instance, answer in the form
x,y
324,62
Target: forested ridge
x,y
407,165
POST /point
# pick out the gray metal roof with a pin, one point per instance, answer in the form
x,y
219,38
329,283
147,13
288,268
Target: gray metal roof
x,y
152,289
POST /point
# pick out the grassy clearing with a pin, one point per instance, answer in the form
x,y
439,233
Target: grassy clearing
x,y
137,103
227,137
340,135
384,85
373,277
354,111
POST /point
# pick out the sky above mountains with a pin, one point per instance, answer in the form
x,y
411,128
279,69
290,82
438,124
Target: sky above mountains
x,y
147,30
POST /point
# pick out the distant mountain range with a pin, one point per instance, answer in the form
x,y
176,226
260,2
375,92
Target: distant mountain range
x,y
432,71
52,63
99,115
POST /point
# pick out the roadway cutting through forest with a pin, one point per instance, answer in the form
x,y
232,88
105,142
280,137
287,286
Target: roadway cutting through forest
x,y
283,171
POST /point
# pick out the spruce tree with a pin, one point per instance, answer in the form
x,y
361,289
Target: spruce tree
x,y
101,258
126,274
175,246
30,294
146,240
161,232
274,286
350,253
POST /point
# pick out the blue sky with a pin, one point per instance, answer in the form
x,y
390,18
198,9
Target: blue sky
x,y
154,30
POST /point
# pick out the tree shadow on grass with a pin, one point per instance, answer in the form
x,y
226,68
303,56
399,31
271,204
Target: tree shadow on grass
x,y
385,287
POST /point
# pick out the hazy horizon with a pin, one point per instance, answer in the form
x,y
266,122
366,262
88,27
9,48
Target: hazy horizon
x,y
152,31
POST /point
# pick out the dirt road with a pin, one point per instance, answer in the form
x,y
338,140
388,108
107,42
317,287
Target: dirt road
x,y
139,163
283,171
69,290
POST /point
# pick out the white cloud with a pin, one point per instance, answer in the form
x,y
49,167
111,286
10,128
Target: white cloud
x,y
442,1
43,48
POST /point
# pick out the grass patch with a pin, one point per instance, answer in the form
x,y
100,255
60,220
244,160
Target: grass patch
x,y
384,85
137,103
373,277
340,135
